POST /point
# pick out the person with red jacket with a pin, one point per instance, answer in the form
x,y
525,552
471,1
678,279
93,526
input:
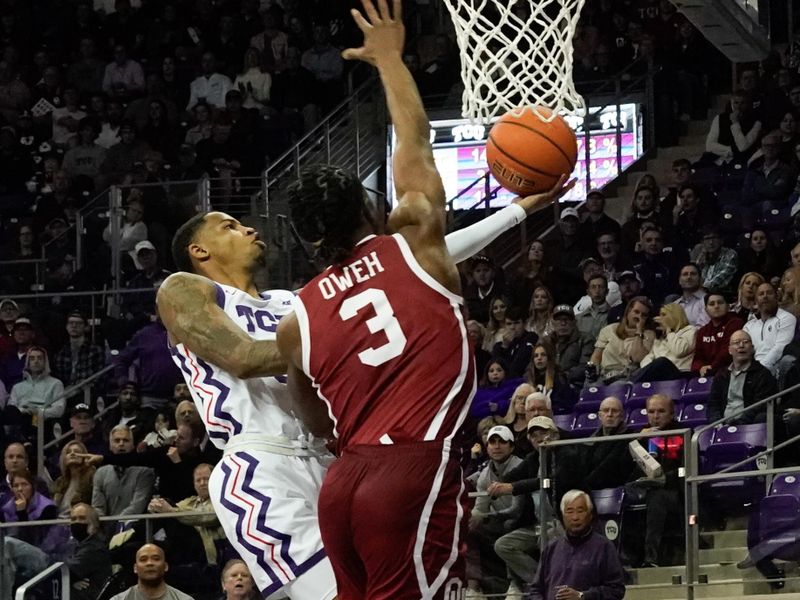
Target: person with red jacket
x,y
711,344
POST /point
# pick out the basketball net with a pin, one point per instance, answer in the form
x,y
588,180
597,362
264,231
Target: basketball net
x,y
511,60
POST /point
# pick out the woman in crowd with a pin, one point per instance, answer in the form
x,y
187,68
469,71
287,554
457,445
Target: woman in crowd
x,y
760,256
711,352
534,272
75,483
515,415
620,347
495,328
789,139
545,376
495,374
540,312
29,505
745,305
254,82
670,356
237,582
789,291
163,434
477,334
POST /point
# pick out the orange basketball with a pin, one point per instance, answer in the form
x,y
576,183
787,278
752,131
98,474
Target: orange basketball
x,y
527,155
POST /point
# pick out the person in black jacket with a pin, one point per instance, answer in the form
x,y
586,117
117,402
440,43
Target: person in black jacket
x,y
743,383
608,464
516,347
90,562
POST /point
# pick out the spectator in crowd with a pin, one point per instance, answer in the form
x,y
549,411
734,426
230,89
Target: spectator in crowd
x,y
156,373
643,209
29,505
541,305
38,390
608,464
237,582
772,331
655,267
695,213
22,562
608,250
733,135
491,517
517,547
789,291
692,296
742,384
150,568
570,250
110,124
495,324
254,82
495,374
9,313
120,490
760,256
717,263
294,95
711,348
121,157
681,174
583,562
12,365
82,423
594,317
75,483
483,289
596,221
123,77
206,525
129,413
89,563
272,42
670,356
664,500
516,347
132,229
79,358
572,349
544,374
325,63
88,71
630,286
142,306
66,119
620,347
86,157
478,458
15,460
769,179
202,125
746,305
534,272
211,86
516,421
476,334
589,268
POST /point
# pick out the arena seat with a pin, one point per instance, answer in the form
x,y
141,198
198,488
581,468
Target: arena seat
x,y
586,423
697,389
642,391
693,415
774,215
595,394
608,512
729,446
564,421
786,484
636,419
779,526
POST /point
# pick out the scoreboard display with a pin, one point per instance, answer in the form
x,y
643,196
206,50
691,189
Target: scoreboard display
x,y
459,148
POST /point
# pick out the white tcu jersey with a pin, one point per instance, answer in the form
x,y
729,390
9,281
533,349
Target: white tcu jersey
x,y
231,406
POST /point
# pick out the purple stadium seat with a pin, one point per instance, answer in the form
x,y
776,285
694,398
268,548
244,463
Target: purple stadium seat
x,y
594,395
779,526
774,215
786,484
642,391
697,389
733,492
693,415
585,424
564,421
637,419
608,508
753,435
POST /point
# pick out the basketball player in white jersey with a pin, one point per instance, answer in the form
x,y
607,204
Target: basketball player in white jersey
x,y
222,334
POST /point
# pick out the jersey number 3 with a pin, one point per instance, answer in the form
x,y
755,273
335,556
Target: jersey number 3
x,y
384,320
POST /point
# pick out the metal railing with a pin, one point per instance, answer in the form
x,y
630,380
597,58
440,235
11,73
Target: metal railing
x,y
22,591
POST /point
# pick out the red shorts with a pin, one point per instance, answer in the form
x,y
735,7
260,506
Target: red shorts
x,y
392,519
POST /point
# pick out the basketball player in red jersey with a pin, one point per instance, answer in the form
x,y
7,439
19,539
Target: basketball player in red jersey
x,y
379,356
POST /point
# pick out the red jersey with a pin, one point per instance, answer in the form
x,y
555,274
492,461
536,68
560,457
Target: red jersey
x,y
386,346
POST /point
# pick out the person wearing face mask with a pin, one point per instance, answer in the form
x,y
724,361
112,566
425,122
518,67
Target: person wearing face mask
x,y
89,563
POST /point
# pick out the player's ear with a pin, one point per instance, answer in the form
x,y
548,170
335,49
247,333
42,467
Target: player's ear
x,y
198,252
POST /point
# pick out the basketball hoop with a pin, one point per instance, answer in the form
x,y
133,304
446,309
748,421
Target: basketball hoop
x,y
511,60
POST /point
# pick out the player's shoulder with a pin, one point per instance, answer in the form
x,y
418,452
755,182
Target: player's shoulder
x,y
178,286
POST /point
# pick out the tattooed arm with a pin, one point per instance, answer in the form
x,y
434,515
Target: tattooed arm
x,y
188,308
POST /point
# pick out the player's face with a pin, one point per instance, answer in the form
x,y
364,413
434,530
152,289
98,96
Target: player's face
x,y
226,241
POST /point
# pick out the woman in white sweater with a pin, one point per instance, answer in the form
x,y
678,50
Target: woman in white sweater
x,y
671,354
254,82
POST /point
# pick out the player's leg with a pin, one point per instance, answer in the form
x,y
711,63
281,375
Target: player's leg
x,y
266,505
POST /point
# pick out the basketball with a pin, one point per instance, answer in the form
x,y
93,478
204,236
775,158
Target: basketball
x,y
527,155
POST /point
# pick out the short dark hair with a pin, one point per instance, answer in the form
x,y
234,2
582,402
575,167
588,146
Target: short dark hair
x,y
710,293
515,313
598,276
327,207
681,162
181,240
693,265
690,186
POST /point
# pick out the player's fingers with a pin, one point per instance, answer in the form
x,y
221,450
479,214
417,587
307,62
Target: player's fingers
x,y
397,11
369,8
352,53
361,22
383,9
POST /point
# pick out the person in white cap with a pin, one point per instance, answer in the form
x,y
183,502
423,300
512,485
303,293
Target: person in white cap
x,y
492,516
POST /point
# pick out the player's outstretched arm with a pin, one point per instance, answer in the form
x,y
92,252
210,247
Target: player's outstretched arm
x,y
308,406
384,35
188,307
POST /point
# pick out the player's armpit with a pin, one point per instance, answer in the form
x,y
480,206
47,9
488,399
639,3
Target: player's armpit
x,y
307,405
188,308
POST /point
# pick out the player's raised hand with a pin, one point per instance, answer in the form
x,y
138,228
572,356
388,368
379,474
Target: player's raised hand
x,y
384,34
539,201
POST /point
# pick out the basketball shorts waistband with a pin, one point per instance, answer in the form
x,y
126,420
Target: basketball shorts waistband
x,y
384,451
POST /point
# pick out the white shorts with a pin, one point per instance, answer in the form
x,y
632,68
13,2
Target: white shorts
x,y
267,505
